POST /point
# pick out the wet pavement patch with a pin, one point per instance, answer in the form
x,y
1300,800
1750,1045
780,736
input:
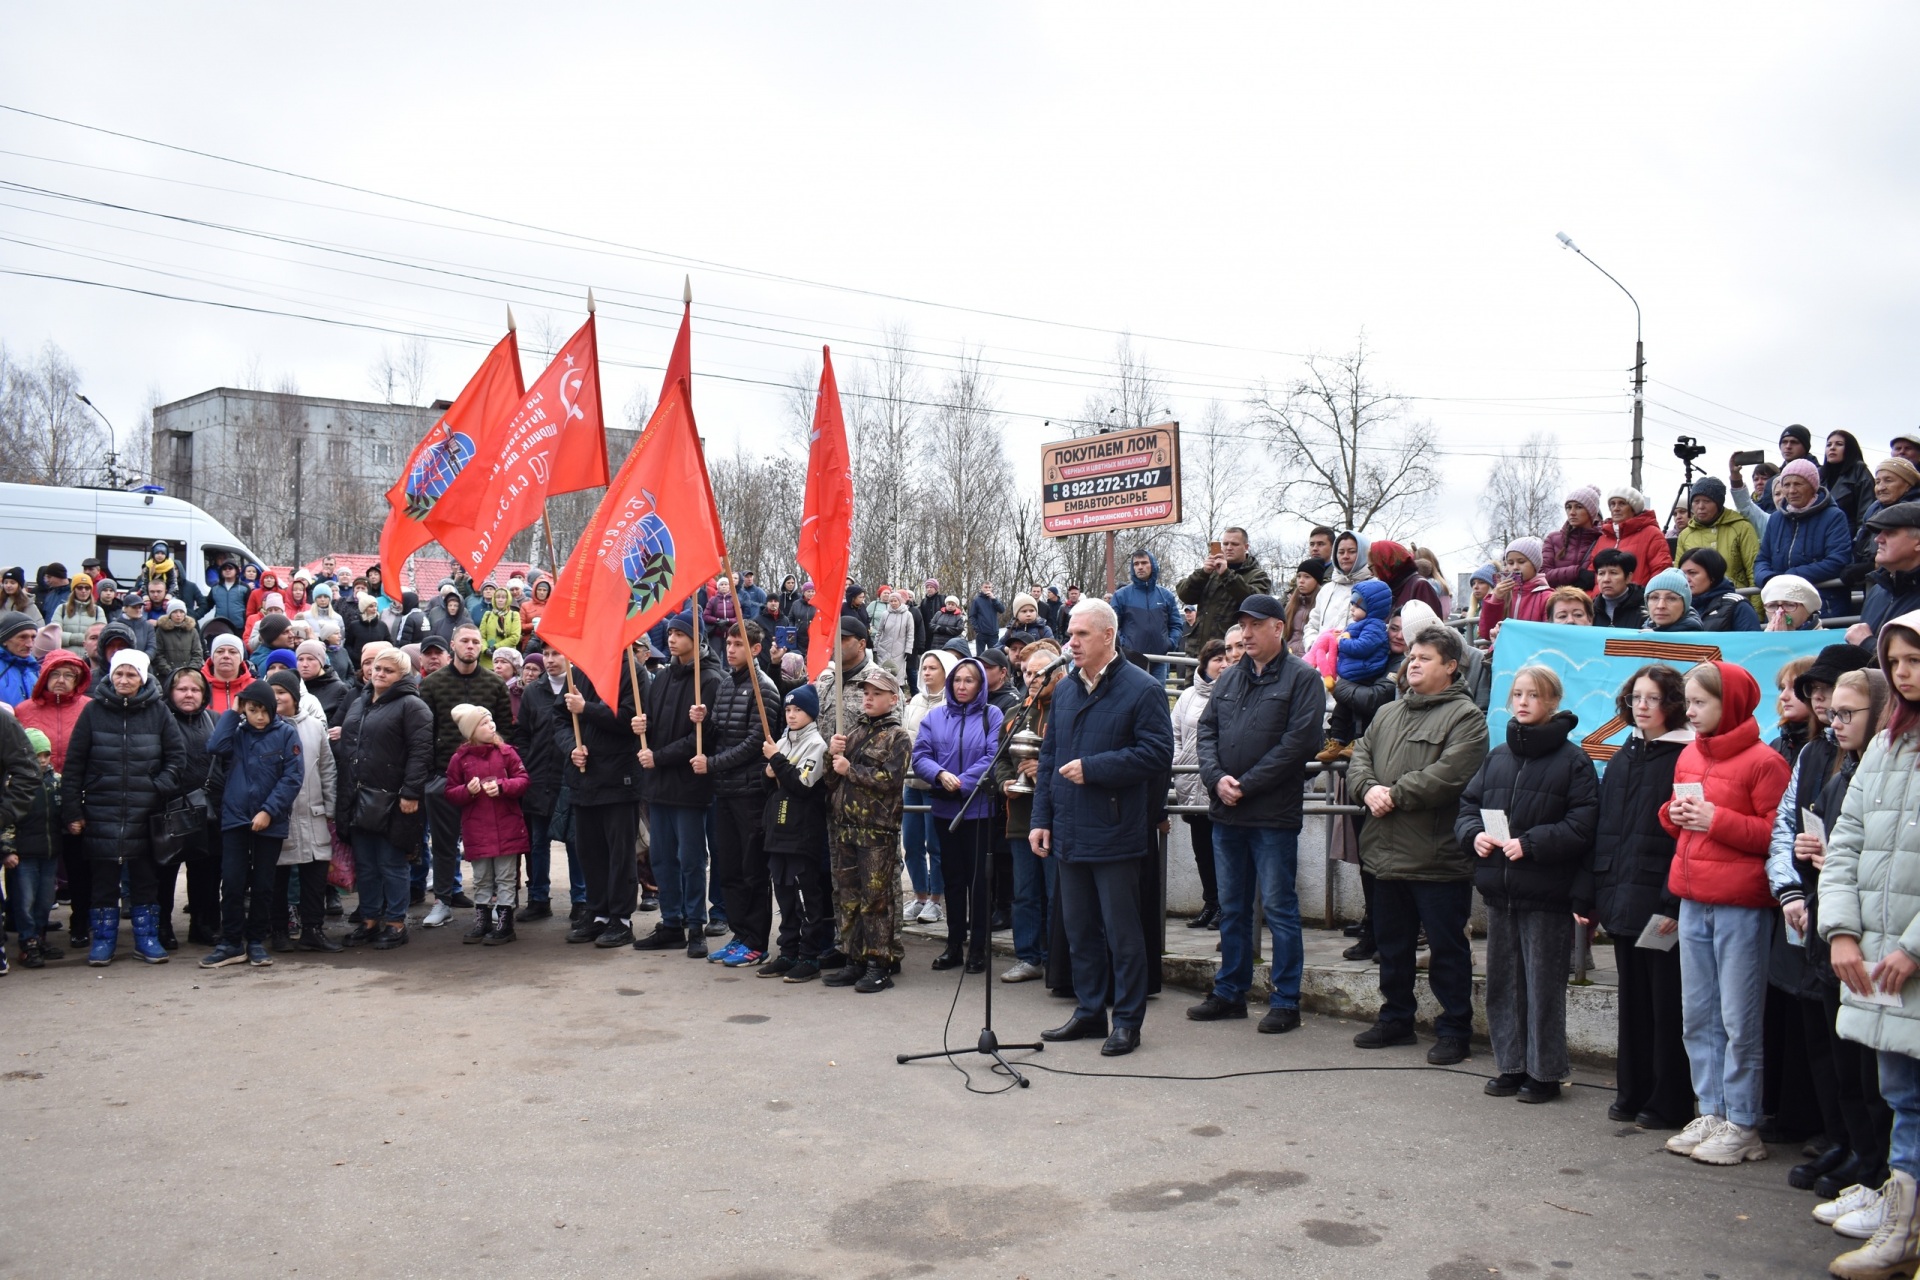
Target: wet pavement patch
x,y
1156,1197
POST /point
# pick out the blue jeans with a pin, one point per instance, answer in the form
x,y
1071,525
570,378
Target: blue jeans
x,y
1723,998
540,863
920,835
30,895
381,874
1033,880
679,834
1244,857
1900,1086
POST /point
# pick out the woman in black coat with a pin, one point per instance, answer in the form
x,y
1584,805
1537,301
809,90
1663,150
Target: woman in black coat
x,y
124,760
386,742
1543,786
1718,602
1631,857
187,699
1845,477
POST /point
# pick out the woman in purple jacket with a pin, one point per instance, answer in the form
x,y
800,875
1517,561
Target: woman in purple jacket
x,y
1569,548
951,754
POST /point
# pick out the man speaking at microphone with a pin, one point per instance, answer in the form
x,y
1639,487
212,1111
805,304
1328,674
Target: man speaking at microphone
x,y
1109,743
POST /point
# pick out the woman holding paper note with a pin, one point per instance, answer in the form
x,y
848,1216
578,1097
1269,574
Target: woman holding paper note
x,y
1632,854
1727,785
1529,816
1869,913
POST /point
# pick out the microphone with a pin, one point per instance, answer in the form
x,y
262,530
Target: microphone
x,y
1064,660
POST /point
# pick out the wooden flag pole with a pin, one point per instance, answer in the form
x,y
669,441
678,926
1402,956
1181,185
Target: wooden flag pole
x,y
753,667
699,643
633,673
553,558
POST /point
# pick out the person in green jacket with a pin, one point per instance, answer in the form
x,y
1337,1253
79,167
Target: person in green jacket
x,y
1410,769
1217,587
1869,914
1713,523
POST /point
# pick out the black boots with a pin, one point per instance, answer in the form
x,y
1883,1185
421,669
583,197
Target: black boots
x,y
876,978
314,937
502,931
482,925
1209,918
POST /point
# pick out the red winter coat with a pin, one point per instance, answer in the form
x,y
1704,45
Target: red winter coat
x,y
490,826
1640,536
221,693
55,716
1744,779
1529,605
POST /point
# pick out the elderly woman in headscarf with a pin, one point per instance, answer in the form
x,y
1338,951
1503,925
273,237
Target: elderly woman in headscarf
x,y
1393,564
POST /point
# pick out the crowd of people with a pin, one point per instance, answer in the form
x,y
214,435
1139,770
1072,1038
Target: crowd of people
x,y
272,744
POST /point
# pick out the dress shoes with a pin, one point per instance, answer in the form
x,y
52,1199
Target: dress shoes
x,y
1123,1041
1077,1029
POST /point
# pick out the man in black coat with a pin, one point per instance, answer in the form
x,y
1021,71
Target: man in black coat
x,y
678,785
606,811
464,679
740,788
1261,726
543,736
1895,582
1106,758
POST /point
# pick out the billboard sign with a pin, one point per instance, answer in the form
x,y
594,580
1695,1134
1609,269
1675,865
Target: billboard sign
x,y
1119,480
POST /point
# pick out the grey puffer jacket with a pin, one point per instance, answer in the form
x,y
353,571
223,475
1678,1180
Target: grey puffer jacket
x,y
1870,887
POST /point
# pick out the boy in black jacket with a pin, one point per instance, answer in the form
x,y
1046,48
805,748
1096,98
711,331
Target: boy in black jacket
x,y
32,856
796,841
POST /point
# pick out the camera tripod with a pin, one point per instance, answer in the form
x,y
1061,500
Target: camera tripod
x,y
1686,448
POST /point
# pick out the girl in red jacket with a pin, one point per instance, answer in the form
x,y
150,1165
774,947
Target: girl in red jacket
x,y
486,780
1726,786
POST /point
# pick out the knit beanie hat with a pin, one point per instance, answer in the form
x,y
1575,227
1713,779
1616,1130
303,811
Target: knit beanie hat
x,y
1587,496
12,624
311,648
284,657
468,719
806,699
512,655
1530,547
1671,580
1314,566
1636,501
1803,468
46,640
39,742
1800,433
290,682
130,657
273,600
1713,488
260,693
175,605
1907,473
1485,573
227,642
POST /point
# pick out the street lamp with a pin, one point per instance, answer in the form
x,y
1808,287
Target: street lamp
x,y
113,441
1639,356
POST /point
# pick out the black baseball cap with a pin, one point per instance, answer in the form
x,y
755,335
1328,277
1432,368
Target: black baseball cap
x,y
1261,607
434,642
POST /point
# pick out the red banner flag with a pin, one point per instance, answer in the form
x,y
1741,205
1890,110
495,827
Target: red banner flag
x,y
553,442
654,540
680,361
491,394
826,521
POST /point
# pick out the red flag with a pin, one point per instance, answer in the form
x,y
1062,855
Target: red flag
x,y
491,395
553,442
826,521
655,538
680,362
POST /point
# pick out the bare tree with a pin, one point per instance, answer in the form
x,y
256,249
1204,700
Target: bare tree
x,y
1523,494
1345,453
885,405
971,479
46,435
1217,474
399,372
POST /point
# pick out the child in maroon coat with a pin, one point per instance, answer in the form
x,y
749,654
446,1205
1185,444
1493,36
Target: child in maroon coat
x,y
486,779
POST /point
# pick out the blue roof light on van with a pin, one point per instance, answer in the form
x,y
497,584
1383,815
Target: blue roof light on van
x,y
151,488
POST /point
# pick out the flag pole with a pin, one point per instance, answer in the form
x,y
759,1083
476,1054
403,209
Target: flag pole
x,y
553,558
633,674
699,643
740,620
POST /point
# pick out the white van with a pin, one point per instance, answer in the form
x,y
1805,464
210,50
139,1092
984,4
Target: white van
x,y
40,524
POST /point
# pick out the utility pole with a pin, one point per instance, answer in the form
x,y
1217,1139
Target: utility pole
x,y
1639,360
299,452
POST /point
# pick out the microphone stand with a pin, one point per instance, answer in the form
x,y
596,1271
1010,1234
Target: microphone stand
x,y
989,1044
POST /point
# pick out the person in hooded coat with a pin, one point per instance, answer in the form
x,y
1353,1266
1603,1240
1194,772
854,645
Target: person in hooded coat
x,y
19,668
1331,602
1846,478
262,756
1545,785
187,699
951,751
405,622
449,617
123,761
1712,523
1716,600
1807,535
1727,787
1630,527
1150,619
308,849
1567,552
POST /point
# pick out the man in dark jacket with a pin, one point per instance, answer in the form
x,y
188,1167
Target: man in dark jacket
x,y
1150,619
983,618
1261,726
464,679
675,764
1108,746
264,770
1218,586
605,793
1410,770
740,785
1895,588
930,604
1618,601
543,735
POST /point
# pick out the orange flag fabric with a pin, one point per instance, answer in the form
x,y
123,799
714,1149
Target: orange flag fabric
x,y
655,538
552,442
826,521
491,395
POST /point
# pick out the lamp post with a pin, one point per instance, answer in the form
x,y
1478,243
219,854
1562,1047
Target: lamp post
x,y
1639,357
113,441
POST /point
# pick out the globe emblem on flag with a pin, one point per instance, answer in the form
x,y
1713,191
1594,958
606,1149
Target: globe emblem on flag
x,y
646,560
434,470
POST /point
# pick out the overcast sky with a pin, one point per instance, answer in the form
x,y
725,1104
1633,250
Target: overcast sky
x,y
1234,187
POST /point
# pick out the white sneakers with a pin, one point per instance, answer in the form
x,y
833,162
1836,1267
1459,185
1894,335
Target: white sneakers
x,y
1697,1132
1025,971
1894,1248
1853,1198
1730,1144
1866,1218
1713,1140
930,912
439,915
913,911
